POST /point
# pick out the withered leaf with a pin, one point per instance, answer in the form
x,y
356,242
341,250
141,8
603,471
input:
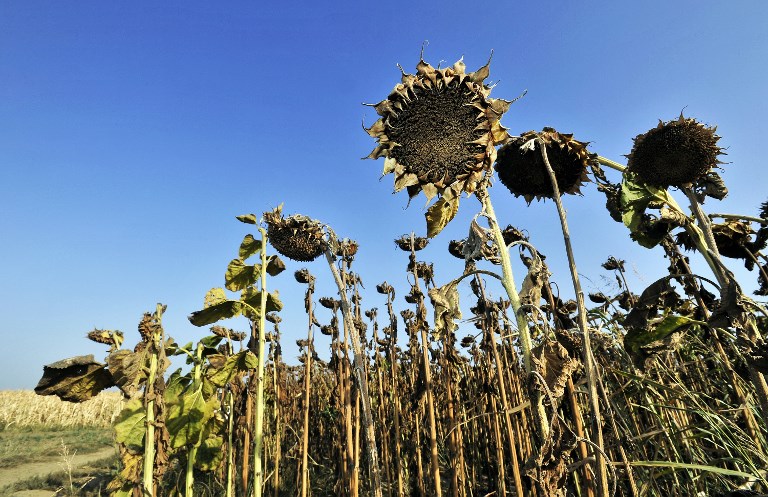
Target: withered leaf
x,y
75,379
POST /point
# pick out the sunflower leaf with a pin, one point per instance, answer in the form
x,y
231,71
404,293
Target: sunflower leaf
x,y
217,312
249,247
440,214
240,275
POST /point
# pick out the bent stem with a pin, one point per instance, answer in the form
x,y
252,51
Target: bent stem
x,y
589,363
508,281
360,376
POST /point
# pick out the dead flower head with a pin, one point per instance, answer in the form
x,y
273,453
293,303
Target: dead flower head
x,y
438,130
676,153
297,237
521,166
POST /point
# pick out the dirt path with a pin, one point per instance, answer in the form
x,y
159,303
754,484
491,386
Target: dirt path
x,y
9,476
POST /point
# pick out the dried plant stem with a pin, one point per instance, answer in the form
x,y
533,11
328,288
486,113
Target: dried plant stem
x,y
423,327
739,217
505,405
307,375
149,395
258,436
589,363
725,280
362,380
508,281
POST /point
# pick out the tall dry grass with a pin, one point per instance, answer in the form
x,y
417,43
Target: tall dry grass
x,y
24,408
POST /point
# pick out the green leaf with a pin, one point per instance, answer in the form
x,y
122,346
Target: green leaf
x,y
657,330
248,219
249,247
239,275
76,379
187,415
214,296
210,454
215,313
700,467
636,197
242,361
252,297
440,214
130,424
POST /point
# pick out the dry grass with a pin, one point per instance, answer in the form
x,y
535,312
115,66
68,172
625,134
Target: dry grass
x,y
24,408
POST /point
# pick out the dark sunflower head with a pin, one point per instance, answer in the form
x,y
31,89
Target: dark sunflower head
x,y
297,237
521,166
438,130
676,153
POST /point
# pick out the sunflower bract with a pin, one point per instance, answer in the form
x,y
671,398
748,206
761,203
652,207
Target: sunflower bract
x,y
438,130
521,168
297,237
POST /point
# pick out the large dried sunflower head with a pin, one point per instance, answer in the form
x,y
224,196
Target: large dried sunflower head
x,y
297,237
438,130
521,166
676,153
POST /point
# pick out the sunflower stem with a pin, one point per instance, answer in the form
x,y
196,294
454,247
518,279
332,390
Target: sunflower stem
x,y
258,437
508,281
589,363
360,376
609,163
739,217
712,255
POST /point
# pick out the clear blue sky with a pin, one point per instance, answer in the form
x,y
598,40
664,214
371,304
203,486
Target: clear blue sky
x,y
132,133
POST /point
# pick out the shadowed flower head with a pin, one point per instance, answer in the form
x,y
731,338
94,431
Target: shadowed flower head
x,y
297,237
521,166
676,153
438,130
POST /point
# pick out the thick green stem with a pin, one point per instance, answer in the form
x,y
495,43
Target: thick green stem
x,y
258,431
508,281
589,362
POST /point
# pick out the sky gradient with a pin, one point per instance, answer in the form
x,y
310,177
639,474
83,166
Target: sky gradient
x,y
133,133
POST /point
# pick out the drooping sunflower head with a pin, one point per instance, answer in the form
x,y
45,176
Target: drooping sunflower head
x,y
438,130
297,237
521,168
675,153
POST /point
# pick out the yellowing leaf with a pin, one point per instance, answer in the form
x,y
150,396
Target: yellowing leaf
x,y
440,214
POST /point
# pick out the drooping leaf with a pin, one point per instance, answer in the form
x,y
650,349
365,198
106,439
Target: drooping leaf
x,y
249,247
445,300
440,214
187,415
217,312
128,369
252,298
248,219
130,424
210,454
223,374
240,275
275,265
636,197
661,334
76,379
